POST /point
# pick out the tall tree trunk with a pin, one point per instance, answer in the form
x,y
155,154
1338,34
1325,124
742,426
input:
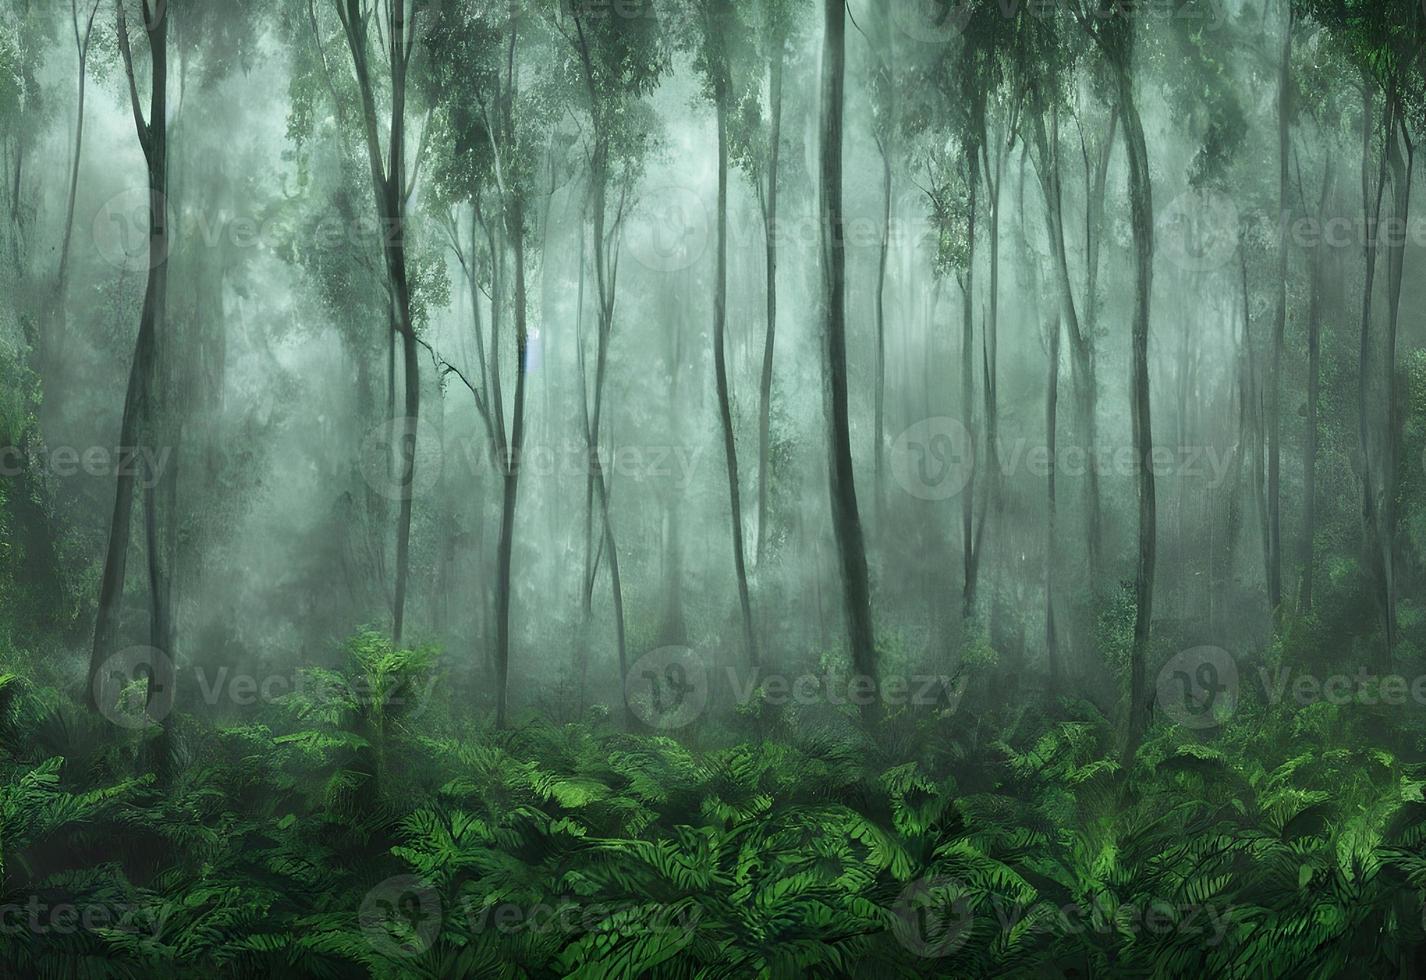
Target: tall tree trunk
x,y
53,350
391,191
971,551
990,337
884,130
1141,208
153,138
770,229
1082,346
1279,326
604,280
846,518
605,276
879,395
1314,383
1052,395
720,367
514,208
1253,417
1372,529
1081,339
511,465
1401,158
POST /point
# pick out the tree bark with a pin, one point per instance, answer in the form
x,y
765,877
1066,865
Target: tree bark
x,y
770,227
153,138
720,366
1279,326
1314,383
389,187
1372,530
1401,158
1082,347
1142,222
970,543
846,518
515,227
54,345
1052,394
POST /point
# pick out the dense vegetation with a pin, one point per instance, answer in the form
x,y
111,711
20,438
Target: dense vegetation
x,y
712,488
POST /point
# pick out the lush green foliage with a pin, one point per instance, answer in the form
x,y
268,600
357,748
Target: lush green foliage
x,y
361,829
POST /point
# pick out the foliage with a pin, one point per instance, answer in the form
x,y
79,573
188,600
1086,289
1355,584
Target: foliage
x,y
1280,846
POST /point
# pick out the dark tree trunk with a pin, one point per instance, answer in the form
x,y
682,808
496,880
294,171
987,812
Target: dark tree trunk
x,y
846,518
390,189
970,543
1279,326
1082,347
512,461
153,137
1372,526
53,349
770,227
1401,158
1052,395
720,369
1314,382
1141,208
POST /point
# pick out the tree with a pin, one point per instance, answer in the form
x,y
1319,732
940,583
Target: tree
x,y
777,28
846,517
475,61
715,45
1274,489
54,343
1113,37
137,424
618,61
392,187
1383,41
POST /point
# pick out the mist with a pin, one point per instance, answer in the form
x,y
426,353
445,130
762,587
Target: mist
x,y
625,488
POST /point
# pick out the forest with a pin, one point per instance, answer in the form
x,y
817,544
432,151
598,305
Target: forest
x,y
696,489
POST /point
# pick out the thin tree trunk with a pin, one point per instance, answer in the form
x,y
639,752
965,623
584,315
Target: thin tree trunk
x,y
1371,522
1082,347
153,138
1314,382
971,553
1052,651
54,345
1402,165
770,228
515,226
390,189
1279,326
1253,415
1141,208
879,425
720,369
846,518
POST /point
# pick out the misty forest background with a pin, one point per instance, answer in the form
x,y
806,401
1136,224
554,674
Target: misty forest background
x,y
464,459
